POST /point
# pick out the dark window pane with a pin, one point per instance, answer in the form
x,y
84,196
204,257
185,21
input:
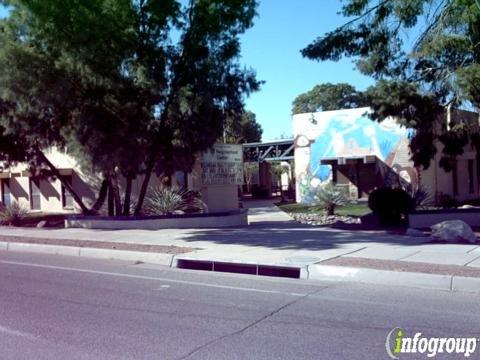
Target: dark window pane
x,y
67,199
471,186
35,194
6,194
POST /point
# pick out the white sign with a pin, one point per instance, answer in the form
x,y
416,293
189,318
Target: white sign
x,y
223,165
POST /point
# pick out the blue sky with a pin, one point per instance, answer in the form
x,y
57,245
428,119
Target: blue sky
x,y
272,47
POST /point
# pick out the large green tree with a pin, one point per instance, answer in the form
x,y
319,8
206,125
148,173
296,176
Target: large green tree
x,y
130,87
328,96
425,56
242,128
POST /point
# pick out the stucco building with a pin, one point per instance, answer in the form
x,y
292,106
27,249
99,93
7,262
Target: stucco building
x,y
349,149
217,183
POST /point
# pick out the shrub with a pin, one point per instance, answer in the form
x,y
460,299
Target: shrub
x,y
194,203
421,196
329,197
390,205
13,214
167,200
446,201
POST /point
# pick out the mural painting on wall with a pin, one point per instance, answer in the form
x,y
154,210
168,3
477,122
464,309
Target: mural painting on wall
x,y
348,133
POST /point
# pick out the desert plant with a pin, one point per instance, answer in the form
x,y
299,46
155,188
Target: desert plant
x,y
164,200
133,206
390,205
194,202
329,197
421,196
446,201
13,214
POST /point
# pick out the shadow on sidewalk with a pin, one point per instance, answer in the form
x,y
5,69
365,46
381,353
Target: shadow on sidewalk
x,y
296,236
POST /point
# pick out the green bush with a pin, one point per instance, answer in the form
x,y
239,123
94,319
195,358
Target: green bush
x,y
13,214
390,205
421,196
446,201
328,197
164,200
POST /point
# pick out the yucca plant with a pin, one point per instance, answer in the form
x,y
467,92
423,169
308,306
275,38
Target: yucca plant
x,y
164,200
13,214
329,197
421,196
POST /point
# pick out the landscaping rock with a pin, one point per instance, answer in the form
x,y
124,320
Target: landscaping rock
x,y
468,207
414,233
453,230
320,219
42,224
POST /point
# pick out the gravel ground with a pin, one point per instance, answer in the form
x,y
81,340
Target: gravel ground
x,y
99,244
403,266
320,219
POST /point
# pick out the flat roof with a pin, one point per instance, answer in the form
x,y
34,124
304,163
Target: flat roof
x,y
340,160
271,142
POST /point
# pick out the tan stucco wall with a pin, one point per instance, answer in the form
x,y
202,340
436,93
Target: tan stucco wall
x,y
220,197
87,185
437,181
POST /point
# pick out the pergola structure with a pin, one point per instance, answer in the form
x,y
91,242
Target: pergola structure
x,y
276,150
262,154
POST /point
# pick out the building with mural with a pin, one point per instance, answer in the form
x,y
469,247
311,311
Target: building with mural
x,y
349,149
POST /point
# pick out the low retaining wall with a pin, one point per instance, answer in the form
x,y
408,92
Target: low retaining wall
x,y
427,218
208,220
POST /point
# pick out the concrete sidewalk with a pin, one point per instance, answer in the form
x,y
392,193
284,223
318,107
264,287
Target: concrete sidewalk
x,y
273,238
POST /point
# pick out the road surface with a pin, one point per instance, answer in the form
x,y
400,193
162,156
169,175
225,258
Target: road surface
x,y
54,307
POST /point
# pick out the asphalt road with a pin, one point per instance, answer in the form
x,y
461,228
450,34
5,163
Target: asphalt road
x,y
54,307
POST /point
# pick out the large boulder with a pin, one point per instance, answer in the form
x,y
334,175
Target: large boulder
x,y
453,230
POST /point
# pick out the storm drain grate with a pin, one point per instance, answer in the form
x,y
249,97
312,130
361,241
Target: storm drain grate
x,y
251,269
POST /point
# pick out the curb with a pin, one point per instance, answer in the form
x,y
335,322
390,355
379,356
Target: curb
x,y
257,268
393,278
309,272
112,254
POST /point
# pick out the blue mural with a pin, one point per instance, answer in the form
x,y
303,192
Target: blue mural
x,y
345,133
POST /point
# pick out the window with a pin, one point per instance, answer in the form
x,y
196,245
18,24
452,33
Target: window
x,y
35,194
471,185
6,194
67,199
455,180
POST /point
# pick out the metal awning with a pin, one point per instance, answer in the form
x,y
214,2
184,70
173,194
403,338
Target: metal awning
x,y
346,160
66,172
276,150
63,172
7,174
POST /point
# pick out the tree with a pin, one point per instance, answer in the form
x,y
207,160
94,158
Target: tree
x,y
326,97
109,81
425,56
242,129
